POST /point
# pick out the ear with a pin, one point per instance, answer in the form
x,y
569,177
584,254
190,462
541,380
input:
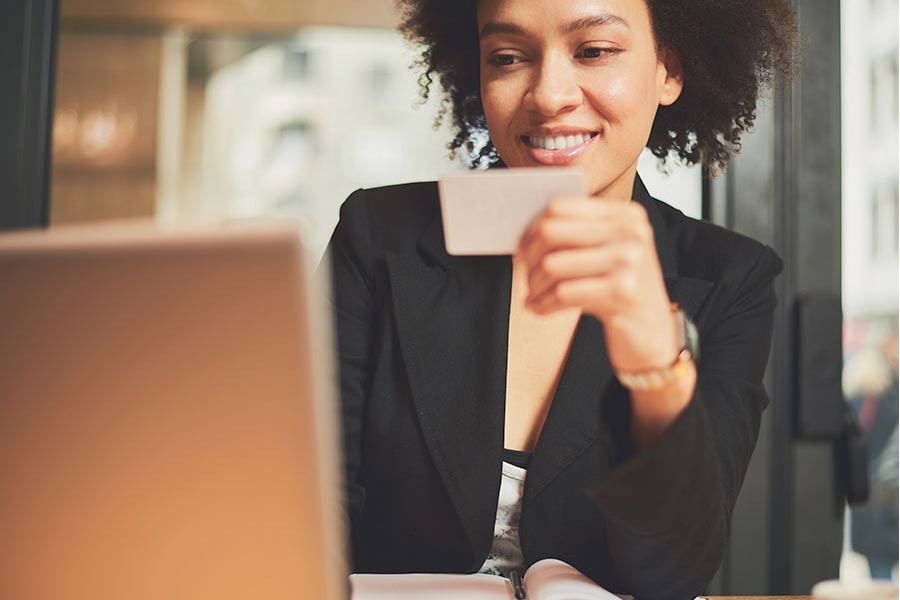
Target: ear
x,y
671,76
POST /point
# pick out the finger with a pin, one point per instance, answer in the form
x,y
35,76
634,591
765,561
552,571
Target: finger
x,y
588,293
569,206
550,227
574,264
549,234
592,221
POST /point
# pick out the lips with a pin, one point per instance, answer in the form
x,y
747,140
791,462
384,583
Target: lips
x,y
558,149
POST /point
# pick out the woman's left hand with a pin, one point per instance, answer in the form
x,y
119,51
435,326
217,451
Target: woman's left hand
x,y
600,256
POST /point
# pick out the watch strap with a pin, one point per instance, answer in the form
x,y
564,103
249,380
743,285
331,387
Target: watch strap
x,y
654,379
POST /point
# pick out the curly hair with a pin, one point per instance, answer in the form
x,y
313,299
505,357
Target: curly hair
x,y
730,50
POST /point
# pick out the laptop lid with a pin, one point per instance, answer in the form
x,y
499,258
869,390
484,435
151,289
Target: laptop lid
x,y
166,421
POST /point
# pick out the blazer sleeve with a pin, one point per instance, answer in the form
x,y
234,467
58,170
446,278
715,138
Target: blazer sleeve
x,y
668,508
348,262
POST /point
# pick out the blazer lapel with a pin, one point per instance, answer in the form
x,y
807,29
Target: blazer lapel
x,y
688,292
452,317
574,421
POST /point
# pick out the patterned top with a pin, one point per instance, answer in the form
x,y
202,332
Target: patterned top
x,y
506,553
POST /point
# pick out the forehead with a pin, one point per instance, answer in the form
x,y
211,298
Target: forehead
x,y
631,14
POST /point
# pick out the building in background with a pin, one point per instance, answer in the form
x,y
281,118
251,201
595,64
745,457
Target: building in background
x,y
870,155
870,217
292,128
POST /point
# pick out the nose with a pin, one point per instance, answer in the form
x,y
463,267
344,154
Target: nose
x,y
554,89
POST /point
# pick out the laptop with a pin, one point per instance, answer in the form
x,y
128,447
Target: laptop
x,y
167,425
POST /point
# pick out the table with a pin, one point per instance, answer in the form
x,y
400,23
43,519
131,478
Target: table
x,y
758,597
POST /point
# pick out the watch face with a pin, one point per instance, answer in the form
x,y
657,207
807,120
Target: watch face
x,y
691,338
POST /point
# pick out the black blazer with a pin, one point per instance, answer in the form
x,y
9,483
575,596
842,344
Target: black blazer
x,y
422,344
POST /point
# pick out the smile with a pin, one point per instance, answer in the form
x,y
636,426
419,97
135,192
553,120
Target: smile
x,y
559,142
558,149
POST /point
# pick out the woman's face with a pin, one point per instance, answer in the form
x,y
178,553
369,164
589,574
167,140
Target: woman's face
x,y
573,82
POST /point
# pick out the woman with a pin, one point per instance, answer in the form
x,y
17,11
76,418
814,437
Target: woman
x,y
499,411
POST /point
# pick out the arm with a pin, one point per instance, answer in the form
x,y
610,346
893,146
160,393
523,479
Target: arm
x,y
653,411
668,507
600,256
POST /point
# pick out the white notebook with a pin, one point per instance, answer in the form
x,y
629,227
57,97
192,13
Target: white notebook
x,y
548,579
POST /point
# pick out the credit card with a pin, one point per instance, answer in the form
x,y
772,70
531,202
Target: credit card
x,y
486,212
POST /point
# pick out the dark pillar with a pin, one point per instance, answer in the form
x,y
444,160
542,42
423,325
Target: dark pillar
x,y
27,57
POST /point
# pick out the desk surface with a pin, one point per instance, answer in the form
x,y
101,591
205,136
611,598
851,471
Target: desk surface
x,y
757,597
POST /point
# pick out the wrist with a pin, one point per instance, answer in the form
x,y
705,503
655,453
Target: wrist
x,y
641,342
653,411
673,370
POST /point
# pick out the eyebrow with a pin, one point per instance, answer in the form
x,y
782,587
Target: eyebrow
x,y
503,27
594,21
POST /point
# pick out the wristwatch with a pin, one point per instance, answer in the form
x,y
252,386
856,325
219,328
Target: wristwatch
x,y
654,379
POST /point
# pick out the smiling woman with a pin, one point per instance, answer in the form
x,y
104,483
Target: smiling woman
x,y
497,410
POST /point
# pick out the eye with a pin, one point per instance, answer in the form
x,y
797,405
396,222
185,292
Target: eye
x,y
503,60
596,52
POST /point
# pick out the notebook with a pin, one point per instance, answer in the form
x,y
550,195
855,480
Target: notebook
x,y
547,579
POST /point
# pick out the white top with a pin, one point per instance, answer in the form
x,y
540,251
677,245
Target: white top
x,y
506,552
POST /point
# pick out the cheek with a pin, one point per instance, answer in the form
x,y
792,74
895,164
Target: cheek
x,y
621,90
496,97
499,106
491,102
624,98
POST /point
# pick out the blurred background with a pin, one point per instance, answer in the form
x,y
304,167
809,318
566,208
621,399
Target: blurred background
x,y
869,115
210,109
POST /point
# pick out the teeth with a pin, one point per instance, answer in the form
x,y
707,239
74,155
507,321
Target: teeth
x,y
560,142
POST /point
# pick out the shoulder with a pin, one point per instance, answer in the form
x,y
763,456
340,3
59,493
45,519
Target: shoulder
x,y
707,251
394,216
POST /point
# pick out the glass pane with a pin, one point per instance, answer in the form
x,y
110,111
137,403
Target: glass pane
x,y
105,126
870,267
291,126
